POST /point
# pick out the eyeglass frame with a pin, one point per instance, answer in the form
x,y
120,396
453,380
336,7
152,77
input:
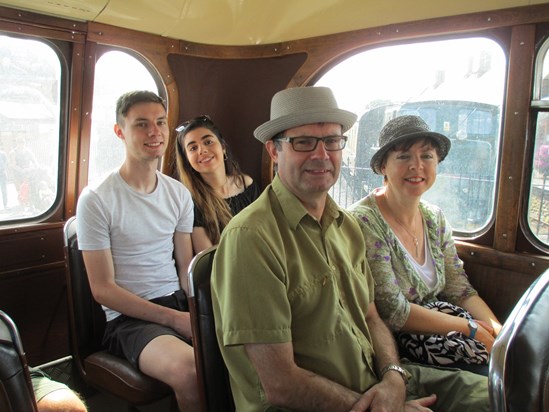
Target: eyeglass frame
x,y
318,139
202,119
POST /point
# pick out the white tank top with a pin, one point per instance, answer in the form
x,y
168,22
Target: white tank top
x,y
427,270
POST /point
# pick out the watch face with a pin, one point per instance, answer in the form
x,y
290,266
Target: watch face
x,y
473,324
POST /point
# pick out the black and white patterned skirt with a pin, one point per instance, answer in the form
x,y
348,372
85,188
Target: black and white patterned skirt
x,y
443,350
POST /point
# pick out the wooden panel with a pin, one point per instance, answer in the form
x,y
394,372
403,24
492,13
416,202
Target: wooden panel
x,y
24,249
501,289
236,93
521,62
37,302
500,278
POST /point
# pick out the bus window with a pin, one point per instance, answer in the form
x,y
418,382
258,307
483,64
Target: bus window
x,y
457,87
29,128
116,72
538,201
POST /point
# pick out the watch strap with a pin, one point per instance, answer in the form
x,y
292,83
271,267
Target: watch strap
x,y
473,327
396,368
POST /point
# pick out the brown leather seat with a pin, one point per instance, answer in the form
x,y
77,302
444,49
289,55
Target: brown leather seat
x,y
519,364
213,377
16,392
97,367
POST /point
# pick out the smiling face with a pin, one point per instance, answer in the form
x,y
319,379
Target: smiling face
x,y
411,171
203,150
144,131
307,174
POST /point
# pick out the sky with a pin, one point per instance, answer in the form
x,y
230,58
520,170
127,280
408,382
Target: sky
x,y
403,72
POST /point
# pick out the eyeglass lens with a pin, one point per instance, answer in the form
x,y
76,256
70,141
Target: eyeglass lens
x,y
309,143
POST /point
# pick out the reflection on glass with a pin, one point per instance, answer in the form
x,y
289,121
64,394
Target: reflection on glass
x,y
457,87
544,92
116,73
29,128
538,204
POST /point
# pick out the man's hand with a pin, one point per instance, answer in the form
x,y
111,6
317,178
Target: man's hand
x,y
375,400
421,404
181,323
386,396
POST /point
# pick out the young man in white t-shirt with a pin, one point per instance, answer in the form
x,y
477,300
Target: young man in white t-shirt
x,y
134,230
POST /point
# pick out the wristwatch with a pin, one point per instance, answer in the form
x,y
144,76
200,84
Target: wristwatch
x,y
396,368
473,326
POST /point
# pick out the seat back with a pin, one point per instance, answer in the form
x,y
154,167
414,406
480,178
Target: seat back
x,y
16,392
97,367
213,377
87,318
519,363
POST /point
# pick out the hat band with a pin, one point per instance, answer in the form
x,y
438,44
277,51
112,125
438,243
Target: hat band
x,y
412,130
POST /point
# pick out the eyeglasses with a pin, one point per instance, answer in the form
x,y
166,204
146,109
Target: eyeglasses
x,y
200,119
309,143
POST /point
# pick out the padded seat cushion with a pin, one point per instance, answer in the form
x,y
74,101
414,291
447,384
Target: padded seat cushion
x,y
15,391
119,377
527,368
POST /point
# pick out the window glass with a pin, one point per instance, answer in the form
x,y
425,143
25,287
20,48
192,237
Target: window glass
x,y
116,72
30,75
538,208
457,87
538,199
543,71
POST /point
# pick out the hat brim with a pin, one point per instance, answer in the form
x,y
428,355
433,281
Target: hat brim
x,y
444,144
271,128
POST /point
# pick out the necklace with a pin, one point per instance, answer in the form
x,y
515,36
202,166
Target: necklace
x,y
414,238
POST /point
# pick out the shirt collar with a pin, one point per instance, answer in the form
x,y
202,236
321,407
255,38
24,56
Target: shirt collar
x,y
294,211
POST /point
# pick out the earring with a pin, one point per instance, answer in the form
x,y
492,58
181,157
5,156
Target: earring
x,y
225,156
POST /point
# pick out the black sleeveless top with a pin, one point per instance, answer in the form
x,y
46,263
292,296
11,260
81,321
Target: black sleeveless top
x,y
236,203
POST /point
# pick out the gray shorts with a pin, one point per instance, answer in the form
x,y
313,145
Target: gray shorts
x,y
43,384
126,337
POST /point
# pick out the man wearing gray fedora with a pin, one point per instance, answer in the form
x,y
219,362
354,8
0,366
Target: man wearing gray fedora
x,y
293,294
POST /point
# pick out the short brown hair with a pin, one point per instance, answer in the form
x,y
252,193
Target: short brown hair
x,y
129,99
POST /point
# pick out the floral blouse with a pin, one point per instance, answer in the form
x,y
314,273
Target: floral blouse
x,y
397,283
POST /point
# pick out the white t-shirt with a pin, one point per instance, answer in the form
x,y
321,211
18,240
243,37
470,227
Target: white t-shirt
x,y
139,229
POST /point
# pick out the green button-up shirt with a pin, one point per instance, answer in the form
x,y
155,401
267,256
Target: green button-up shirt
x,y
282,276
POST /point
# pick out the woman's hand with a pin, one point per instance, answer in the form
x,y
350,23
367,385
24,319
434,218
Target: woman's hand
x,y
485,335
486,326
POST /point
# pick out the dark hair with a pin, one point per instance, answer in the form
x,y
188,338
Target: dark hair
x,y
406,144
214,208
129,99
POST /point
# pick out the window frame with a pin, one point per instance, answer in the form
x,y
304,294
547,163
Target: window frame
x,y
63,50
100,51
537,106
485,235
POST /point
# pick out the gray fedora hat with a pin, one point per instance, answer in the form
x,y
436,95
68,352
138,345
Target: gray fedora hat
x,y
403,128
299,106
